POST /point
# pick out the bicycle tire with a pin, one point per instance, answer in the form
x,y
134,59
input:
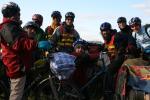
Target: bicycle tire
x,y
4,94
96,88
63,89
29,96
44,91
135,95
69,91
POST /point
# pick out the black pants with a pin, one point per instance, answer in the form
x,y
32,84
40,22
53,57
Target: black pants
x,y
109,84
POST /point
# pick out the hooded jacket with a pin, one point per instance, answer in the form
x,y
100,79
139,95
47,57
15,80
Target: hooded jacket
x,y
16,48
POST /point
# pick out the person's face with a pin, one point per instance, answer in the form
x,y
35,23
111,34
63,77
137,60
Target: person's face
x,y
38,21
135,27
69,21
16,17
79,49
106,35
121,25
56,20
30,31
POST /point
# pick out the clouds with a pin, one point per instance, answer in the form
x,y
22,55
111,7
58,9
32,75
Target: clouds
x,y
144,6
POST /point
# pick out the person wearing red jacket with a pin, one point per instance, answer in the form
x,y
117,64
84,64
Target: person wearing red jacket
x,y
16,49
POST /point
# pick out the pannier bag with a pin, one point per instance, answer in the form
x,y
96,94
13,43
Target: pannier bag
x,y
62,65
139,78
135,77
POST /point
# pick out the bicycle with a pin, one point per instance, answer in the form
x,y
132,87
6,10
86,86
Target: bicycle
x,y
30,86
52,88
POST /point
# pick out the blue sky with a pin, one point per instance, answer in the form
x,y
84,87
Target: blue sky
x,y
89,13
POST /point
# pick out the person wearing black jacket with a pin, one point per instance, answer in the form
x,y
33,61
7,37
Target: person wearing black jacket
x,y
124,39
124,28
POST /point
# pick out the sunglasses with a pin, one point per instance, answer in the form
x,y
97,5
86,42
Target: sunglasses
x,y
134,25
69,19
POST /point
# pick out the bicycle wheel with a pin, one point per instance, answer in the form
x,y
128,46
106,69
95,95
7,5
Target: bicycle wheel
x,y
95,89
65,91
4,95
29,96
44,91
69,92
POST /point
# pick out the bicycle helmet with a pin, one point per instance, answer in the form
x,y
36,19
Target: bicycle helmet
x,y
135,20
37,18
30,24
70,14
56,14
105,26
44,45
80,42
121,19
10,9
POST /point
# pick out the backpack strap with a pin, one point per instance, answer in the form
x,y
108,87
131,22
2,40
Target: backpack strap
x,y
148,35
146,27
10,33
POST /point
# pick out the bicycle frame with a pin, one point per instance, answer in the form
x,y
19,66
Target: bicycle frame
x,y
6,90
100,72
53,87
27,89
33,83
93,78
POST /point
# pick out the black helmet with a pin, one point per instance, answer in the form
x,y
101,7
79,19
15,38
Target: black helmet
x,y
10,9
105,26
70,14
121,19
135,20
30,24
38,17
56,14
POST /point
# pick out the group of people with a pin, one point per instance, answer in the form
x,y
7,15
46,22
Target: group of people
x,y
129,46
20,45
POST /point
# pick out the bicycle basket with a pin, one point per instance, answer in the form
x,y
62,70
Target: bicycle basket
x,y
62,65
